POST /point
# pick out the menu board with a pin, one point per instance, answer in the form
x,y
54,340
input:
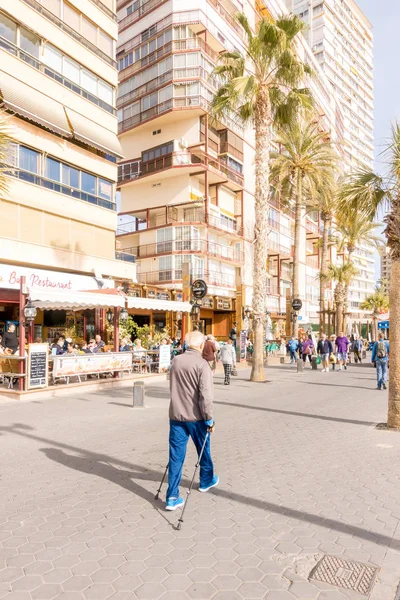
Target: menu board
x,y
38,366
165,358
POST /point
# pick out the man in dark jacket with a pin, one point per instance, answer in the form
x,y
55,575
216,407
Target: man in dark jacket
x,y
10,339
190,414
324,349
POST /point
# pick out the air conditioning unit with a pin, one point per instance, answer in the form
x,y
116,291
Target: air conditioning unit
x,y
183,143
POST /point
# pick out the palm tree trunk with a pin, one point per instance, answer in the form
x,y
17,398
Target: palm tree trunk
x,y
375,327
339,317
324,268
262,122
346,298
394,371
296,253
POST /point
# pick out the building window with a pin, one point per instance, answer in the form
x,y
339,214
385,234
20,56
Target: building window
x,y
8,29
52,169
70,176
29,159
88,183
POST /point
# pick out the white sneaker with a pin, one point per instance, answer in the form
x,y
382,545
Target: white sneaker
x,y
323,370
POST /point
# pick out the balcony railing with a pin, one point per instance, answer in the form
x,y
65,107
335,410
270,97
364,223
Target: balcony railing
x,y
311,226
137,168
198,246
312,261
173,103
189,215
139,13
125,256
28,58
227,148
105,9
227,17
172,74
175,276
277,248
70,31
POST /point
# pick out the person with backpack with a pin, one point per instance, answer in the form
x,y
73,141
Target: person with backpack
x,y
293,346
380,359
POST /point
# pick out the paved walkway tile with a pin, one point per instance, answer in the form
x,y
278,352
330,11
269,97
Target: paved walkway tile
x,y
303,473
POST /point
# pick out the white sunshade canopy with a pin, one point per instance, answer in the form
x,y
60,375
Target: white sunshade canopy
x,y
154,304
69,300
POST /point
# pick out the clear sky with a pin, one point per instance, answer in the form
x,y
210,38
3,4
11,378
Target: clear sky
x,y
385,18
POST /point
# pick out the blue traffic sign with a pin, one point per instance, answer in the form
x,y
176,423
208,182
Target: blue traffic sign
x,y
383,324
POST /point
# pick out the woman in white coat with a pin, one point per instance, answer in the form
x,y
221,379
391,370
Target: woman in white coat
x,y
228,358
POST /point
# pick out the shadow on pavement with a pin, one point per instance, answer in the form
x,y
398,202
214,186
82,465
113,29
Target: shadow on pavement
x,y
297,414
343,385
93,463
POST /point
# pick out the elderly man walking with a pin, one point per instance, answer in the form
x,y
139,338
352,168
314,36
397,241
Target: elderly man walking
x,y
190,414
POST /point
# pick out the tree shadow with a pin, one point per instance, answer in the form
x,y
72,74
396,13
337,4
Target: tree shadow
x,y
297,414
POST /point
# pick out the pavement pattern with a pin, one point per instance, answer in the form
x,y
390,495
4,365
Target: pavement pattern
x,y
303,473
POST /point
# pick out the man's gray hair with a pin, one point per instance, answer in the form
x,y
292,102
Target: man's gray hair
x,y
194,339
210,337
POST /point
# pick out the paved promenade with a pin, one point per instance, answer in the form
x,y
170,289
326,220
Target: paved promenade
x,y
303,473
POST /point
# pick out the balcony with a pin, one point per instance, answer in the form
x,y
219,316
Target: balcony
x,y
203,247
171,276
227,17
311,226
135,15
173,74
227,148
180,102
175,216
125,256
276,248
312,261
131,171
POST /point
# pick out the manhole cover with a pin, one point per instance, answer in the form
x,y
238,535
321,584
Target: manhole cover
x,y
345,574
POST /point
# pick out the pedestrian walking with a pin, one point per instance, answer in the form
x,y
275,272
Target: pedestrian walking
x,y
380,359
342,345
210,352
293,346
228,358
190,414
357,349
307,348
324,349
233,335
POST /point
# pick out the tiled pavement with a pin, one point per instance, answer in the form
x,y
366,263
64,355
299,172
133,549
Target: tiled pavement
x,y
303,473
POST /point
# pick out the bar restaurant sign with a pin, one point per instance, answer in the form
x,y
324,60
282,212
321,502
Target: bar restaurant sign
x,y
38,366
10,276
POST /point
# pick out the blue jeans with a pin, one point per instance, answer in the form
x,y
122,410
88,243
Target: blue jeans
x,y
179,433
293,355
381,371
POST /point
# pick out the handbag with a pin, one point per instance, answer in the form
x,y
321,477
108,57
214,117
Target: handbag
x,y
318,360
332,359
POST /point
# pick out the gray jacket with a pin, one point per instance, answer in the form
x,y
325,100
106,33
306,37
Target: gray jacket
x,y
228,354
191,386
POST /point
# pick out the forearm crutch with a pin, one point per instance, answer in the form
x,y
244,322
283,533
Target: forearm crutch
x,y
161,484
180,521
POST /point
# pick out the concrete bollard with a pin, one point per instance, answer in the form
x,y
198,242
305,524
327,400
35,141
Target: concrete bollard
x,y
314,365
282,360
138,394
300,365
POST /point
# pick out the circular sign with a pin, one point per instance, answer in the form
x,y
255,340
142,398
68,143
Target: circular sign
x,y
297,304
199,289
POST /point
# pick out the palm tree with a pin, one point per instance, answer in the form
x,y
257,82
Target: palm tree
x,y
5,141
342,276
376,302
261,88
302,169
326,207
372,192
354,229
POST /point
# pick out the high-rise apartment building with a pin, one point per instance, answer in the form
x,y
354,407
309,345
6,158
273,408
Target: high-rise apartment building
x,y
340,37
187,182
58,85
386,268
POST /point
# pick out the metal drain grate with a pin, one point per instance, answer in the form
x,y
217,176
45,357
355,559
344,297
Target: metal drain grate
x,y
346,574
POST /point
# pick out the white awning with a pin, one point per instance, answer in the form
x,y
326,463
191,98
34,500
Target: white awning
x,y
33,104
67,300
94,134
153,304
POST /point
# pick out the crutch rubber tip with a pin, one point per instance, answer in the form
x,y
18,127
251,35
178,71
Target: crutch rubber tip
x,y
179,525
156,497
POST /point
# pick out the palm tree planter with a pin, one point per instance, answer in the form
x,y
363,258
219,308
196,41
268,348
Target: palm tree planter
x,y
261,88
304,169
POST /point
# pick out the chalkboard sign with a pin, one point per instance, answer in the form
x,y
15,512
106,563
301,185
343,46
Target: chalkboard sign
x,y
38,366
